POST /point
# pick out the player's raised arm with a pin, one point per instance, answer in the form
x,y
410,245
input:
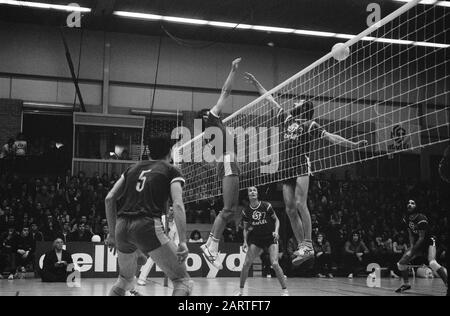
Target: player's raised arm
x,y
111,211
179,213
339,140
226,89
261,90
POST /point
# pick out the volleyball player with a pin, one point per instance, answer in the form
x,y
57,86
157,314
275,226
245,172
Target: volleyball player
x,y
228,170
136,228
422,245
261,227
298,131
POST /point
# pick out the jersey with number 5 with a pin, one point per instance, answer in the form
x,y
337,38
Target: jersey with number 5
x,y
147,188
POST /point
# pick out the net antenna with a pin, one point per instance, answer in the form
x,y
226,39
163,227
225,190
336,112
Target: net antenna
x,y
391,90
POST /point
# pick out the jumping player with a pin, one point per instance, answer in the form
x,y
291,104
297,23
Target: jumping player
x,y
298,130
228,170
136,228
261,227
422,245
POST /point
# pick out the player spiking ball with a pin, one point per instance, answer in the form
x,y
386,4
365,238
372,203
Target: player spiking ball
x,y
261,232
422,245
298,130
136,229
228,169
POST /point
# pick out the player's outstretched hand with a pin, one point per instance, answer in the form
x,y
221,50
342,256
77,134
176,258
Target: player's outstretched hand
x,y
235,64
249,78
111,243
182,252
362,143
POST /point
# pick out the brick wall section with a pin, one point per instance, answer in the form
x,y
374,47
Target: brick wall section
x,y
10,119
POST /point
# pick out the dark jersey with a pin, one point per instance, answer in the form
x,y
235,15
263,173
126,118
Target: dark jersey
x,y
229,142
417,222
260,219
147,188
297,135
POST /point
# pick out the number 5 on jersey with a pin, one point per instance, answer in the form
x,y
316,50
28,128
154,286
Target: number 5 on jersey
x,y
142,179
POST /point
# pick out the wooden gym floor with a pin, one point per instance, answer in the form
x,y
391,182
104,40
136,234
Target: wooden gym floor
x,y
257,286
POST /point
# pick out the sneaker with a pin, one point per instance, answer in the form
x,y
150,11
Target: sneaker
x,y
304,253
320,276
269,276
403,288
285,293
211,257
134,292
240,293
331,276
11,277
1,276
141,282
350,276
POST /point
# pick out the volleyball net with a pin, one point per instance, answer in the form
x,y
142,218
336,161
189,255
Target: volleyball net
x,y
392,90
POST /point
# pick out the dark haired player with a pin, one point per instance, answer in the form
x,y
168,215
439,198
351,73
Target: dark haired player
x,y
298,131
136,228
422,245
228,170
261,227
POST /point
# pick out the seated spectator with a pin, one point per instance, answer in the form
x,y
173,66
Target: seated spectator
x,y
7,150
35,234
105,233
25,251
196,237
355,253
81,235
66,234
322,251
56,264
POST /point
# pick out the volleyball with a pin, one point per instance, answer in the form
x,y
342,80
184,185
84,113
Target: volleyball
x,y
340,51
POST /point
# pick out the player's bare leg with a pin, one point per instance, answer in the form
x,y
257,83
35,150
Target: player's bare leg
x,y
403,268
434,265
230,200
292,212
252,253
166,258
127,271
305,250
274,252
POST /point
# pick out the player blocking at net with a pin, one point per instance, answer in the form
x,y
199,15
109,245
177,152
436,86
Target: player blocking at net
x,y
136,228
228,170
298,130
261,232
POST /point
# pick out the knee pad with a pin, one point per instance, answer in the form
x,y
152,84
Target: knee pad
x,y
435,266
402,267
186,285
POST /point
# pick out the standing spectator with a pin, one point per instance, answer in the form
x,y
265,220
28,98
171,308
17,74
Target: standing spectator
x,y
8,248
56,263
20,146
355,253
322,251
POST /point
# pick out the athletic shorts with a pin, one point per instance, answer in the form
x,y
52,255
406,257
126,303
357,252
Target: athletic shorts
x,y
291,168
139,232
229,167
423,250
262,243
